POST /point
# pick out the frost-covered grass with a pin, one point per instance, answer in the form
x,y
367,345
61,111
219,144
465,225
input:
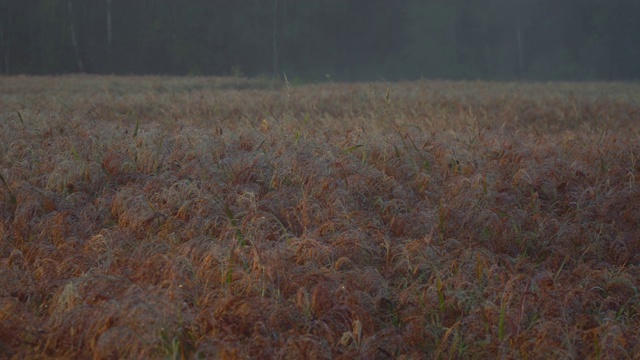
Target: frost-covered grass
x,y
175,217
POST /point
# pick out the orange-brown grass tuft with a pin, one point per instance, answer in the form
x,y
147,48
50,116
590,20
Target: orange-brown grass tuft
x,y
220,218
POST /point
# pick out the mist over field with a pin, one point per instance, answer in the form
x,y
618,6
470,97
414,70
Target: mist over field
x,y
372,40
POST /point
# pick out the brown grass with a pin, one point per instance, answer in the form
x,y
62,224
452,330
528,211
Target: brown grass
x,y
181,218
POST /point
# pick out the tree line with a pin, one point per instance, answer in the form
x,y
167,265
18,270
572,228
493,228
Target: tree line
x,y
319,39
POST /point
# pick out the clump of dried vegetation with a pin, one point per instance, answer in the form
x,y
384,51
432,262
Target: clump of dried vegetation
x,y
182,218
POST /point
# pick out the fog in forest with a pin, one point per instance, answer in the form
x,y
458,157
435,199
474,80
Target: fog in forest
x,y
320,40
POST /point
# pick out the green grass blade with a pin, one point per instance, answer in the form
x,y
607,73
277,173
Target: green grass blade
x,y
353,148
12,197
20,117
501,319
135,131
234,224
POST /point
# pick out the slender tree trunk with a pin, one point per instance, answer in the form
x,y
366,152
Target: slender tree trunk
x,y
275,39
109,34
519,39
5,40
5,49
73,39
7,69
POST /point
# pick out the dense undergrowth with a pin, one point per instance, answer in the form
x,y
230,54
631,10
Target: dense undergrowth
x,y
162,217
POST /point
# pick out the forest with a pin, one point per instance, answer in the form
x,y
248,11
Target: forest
x,y
321,40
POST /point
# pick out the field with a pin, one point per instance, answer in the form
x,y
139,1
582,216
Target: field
x,y
231,218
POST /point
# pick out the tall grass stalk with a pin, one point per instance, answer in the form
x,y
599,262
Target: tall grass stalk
x,y
12,197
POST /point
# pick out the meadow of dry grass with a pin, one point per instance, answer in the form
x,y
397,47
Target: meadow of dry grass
x,y
227,218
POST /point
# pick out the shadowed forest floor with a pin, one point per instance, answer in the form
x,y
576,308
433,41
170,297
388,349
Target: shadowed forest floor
x,y
230,218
